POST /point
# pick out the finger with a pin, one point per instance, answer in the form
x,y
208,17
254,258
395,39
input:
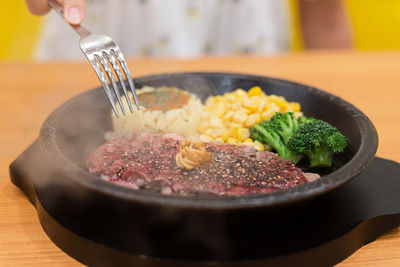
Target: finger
x,y
38,7
74,11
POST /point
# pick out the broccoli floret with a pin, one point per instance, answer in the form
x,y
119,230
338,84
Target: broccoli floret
x,y
276,133
318,140
285,124
303,120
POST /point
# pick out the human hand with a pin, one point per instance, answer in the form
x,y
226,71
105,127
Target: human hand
x,y
74,10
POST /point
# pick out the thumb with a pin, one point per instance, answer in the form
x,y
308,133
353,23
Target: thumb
x,y
38,7
74,11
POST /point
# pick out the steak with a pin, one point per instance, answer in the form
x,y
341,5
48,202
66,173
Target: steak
x,y
148,161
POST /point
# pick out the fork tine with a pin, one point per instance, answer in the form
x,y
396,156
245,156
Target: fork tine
x,y
128,76
106,67
103,81
111,57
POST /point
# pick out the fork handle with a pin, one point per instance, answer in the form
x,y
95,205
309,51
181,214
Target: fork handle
x,y
82,31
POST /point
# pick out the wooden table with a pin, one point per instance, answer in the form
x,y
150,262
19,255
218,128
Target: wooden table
x,y
29,92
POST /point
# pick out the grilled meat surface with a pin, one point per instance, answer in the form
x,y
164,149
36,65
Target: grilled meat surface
x,y
148,161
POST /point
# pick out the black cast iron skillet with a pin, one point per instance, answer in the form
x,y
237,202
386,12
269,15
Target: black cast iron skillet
x,y
201,228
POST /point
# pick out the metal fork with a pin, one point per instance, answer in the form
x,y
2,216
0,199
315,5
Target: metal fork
x,y
104,54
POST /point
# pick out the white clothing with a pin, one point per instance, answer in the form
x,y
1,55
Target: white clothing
x,y
179,28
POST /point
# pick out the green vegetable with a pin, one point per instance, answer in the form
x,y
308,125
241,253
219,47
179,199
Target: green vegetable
x,y
303,120
318,140
276,133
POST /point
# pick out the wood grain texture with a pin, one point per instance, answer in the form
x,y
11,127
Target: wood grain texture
x,y
29,92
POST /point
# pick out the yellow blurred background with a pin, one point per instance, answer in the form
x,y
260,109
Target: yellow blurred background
x,y
376,25
19,30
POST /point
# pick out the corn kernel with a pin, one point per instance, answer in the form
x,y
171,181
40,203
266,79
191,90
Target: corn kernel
x,y
233,141
240,92
230,97
210,100
208,108
235,126
202,126
266,106
262,105
281,103
252,119
215,122
245,110
217,99
228,115
298,114
239,117
266,115
219,139
227,123
242,134
248,140
250,122
228,105
248,144
209,131
294,107
274,107
253,103
258,146
257,117
236,105
215,133
256,90
218,109
225,134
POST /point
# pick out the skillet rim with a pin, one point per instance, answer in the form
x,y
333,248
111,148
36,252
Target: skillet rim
x,y
360,160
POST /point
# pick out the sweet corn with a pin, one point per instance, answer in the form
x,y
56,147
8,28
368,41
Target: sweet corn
x,y
228,118
252,119
255,91
242,134
239,117
228,106
248,144
217,99
266,115
210,100
253,104
232,141
228,115
202,126
225,134
219,139
257,145
298,114
218,109
215,122
248,140
230,97
280,102
209,132
236,106
235,126
293,107
240,92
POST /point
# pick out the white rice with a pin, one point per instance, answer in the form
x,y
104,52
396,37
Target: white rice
x,y
182,121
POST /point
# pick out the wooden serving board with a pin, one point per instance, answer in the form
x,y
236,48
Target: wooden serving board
x,y
328,229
